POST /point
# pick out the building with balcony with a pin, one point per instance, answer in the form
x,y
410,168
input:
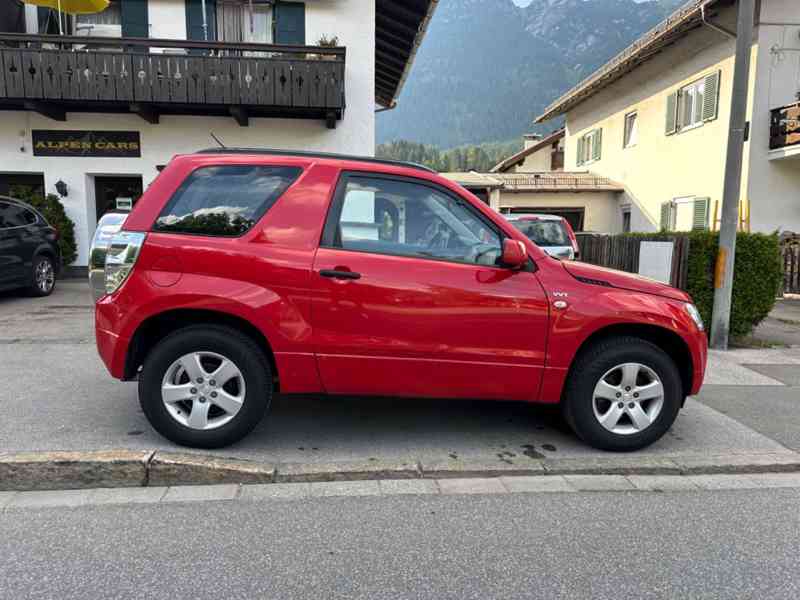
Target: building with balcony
x,y
91,106
655,120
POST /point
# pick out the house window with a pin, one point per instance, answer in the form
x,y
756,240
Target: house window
x,y
239,21
631,136
693,104
102,23
685,214
690,104
626,220
590,146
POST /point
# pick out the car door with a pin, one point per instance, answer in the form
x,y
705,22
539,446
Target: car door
x,y
410,299
11,259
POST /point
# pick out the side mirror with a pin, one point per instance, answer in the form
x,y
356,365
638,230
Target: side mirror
x,y
514,254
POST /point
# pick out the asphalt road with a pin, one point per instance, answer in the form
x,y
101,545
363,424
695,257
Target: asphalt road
x,y
732,544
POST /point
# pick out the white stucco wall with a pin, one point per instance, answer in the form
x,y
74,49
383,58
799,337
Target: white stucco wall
x,y
353,21
774,185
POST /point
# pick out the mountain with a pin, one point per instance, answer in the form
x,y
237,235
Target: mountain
x,y
487,67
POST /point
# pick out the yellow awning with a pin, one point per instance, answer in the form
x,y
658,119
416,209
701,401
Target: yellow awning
x,y
73,7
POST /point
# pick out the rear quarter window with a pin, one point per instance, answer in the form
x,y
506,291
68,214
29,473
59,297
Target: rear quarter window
x,y
224,200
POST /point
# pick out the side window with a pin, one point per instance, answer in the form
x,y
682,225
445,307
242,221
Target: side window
x,y
15,216
387,216
28,216
224,201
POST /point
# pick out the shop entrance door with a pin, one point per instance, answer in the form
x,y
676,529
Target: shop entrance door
x,y
116,193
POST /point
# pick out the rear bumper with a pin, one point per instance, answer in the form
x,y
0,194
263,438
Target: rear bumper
x,y
112,350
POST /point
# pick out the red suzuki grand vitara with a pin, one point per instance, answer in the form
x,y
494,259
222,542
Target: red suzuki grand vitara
x,y
241,273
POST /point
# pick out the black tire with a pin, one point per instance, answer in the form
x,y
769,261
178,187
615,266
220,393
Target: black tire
x,y
228,342
40,288
589,368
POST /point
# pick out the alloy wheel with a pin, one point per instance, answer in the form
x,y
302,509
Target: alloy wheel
x,y
628,398
203,390
45,276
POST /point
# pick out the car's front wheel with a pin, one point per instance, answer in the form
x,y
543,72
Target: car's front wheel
x,y
623,394
205,386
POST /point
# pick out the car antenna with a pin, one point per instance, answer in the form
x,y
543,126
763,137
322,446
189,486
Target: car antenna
x,y
216,139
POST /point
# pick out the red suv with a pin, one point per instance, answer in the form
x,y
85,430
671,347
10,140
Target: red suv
x,y
243,273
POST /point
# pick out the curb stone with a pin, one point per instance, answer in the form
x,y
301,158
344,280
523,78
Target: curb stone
x,y
169,468
75,470
31,471
459,469
346,471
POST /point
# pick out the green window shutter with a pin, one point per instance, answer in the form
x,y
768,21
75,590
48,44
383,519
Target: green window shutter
x,y
711,97
194,20
290,23
672,113
700,218
579,158
135,19
597,144
666,216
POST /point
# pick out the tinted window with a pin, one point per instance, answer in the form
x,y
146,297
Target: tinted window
x,y
224,201
15,216
544,233
398,217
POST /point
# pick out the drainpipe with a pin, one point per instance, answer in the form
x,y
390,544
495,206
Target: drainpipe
x,y
718,28
205,22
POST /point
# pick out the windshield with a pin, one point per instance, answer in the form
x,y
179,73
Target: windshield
x,y
544,233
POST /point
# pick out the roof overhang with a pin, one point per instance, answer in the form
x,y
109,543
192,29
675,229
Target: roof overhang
x,y
400,27
670,30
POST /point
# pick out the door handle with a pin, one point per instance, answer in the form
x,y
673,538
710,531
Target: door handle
x,y
337,274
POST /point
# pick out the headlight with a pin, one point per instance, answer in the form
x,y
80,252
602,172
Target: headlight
x,y
123,250
695,314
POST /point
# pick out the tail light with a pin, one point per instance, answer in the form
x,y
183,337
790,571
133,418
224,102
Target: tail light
x,y
575,248
123,250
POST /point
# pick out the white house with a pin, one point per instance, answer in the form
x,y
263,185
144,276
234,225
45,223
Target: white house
x,y
93,114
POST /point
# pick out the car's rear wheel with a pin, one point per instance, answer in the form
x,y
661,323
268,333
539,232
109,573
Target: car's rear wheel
x,y
43,277
205,386
623,394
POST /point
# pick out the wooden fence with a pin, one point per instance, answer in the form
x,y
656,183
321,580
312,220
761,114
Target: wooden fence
x,y
790,252
622,253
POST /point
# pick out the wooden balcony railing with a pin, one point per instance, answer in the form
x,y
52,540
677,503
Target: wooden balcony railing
x,y
58,74
784,128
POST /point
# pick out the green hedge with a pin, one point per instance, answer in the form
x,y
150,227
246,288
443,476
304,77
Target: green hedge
x,y
53,211
757,279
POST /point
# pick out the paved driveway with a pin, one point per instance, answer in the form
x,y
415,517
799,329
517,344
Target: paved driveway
x,y
61,398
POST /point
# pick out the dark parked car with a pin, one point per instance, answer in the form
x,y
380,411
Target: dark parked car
x,y
29,254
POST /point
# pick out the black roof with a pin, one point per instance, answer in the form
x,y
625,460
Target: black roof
x,y
308,154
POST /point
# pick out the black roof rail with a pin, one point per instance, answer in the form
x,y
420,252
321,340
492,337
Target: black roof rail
x,y
308,154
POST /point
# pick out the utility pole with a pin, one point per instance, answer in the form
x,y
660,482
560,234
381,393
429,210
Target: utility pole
x,y
729,222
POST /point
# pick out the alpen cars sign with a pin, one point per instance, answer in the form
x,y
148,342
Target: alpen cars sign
x,y
109,144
